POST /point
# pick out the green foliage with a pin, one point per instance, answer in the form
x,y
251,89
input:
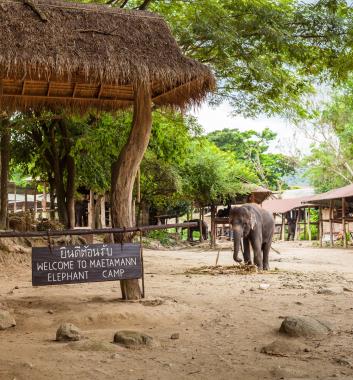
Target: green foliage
x,y
251,148
211,175
266,54
330,162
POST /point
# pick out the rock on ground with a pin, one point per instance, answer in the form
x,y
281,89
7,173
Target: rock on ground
x,y
68,332
129,338
283,347
6,320
296,326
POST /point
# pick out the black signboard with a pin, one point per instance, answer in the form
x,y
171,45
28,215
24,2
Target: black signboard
x,y
85,263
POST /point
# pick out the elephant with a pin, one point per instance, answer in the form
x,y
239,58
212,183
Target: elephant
x,y
224,212
256,226
197,228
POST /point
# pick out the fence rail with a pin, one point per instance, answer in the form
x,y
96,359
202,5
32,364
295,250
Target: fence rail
x,y
98,231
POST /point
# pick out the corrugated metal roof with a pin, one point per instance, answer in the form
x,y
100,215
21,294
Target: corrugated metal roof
x,y
342,192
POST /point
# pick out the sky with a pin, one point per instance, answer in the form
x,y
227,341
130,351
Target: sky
x,y
290,139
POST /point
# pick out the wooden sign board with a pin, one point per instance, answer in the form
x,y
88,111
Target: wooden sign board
x,y
88,263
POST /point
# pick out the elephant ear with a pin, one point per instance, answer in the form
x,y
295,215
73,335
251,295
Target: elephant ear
x,y
252,220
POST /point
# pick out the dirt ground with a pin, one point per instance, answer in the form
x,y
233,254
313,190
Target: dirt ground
x,y
223,320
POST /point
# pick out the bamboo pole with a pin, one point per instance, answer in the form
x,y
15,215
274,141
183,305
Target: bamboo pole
x,y
330,221
344,222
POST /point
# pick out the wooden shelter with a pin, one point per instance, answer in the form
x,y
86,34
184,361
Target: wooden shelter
x,y
79,56
335,209
291,213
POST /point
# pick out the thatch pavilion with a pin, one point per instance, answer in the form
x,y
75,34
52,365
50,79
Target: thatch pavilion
x,y
68,54
57,54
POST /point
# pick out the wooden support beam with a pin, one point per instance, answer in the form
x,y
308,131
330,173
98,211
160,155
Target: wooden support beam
x,y
213,226
100,91
74,91
309,225
23,87
297,226
283,228
344,222
200,224
48,89
321,227
331,224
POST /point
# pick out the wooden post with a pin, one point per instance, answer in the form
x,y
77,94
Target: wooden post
x,y
102,209
91,210
5,159
283,228
344,222
308,225
213,226
297,225
321,226
44,199
200,225
330,221
35,200
26,199
15,200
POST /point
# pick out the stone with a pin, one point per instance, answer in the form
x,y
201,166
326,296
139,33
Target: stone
x,y
175,336
130,338
264,286
6,320
297,326
327,291
283,347
68,332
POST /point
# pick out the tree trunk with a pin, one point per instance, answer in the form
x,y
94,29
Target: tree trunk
x,y
58,179
51,186
5,157
124,172
70,191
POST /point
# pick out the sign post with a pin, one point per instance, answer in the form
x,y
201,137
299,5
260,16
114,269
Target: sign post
x,y
88,263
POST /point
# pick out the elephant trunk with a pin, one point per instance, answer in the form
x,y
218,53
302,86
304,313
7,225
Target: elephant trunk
x,y
237,235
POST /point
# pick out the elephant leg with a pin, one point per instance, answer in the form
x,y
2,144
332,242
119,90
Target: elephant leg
x,y
266,253
256,246
246,254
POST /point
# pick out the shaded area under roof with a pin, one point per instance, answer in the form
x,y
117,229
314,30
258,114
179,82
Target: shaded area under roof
x,y
82,55
342,192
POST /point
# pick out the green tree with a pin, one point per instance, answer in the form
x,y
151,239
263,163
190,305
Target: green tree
x,y
251,148
211,175
330,163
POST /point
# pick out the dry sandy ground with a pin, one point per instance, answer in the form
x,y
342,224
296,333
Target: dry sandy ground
x,y
223,321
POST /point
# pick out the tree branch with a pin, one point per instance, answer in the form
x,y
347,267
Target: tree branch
x,y
144,5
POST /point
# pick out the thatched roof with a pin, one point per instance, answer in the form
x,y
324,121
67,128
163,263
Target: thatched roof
x,y
57,53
